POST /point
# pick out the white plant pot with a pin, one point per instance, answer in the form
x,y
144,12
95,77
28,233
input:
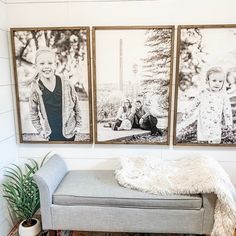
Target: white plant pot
x,y
31,230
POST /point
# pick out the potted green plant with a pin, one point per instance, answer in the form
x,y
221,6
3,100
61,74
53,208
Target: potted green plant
x,y
22,195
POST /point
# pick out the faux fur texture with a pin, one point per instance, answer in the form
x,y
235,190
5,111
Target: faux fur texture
x,y
187,175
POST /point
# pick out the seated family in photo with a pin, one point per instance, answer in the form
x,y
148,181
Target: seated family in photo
x,y
136,116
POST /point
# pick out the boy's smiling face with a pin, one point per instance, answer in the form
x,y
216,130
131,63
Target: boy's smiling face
x,y
46,65
216,81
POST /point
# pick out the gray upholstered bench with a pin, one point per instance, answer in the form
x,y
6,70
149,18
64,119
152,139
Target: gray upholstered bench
x,y
93,201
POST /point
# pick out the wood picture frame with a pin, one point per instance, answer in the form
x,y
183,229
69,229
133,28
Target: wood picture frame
x,y
204,93
52,73
132,73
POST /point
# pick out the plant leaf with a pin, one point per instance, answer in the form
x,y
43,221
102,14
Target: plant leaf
x,y
45,157
21,191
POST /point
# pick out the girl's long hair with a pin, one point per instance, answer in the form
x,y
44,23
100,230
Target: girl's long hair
x,y
125,109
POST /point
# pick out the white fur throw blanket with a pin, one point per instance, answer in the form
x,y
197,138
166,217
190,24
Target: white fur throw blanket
x,y
189,175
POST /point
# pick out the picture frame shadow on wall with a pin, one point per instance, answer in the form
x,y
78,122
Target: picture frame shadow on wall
x,y
205,91
53,84
132,74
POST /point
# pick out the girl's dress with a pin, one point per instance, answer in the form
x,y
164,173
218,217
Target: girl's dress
x,y
214,108
125,122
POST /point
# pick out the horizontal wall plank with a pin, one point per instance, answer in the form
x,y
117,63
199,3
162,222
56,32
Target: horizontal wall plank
x,y
218,153
5,78
7,126
3,16
157,12
4,44
77,151
9,152
88,163
79,13
6,103
46,14
95,164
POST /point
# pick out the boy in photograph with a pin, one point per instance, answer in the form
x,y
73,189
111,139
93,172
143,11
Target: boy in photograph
x,y
54,104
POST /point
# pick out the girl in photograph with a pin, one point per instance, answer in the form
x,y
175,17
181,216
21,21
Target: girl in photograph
x,y
124,117
212,105
54,104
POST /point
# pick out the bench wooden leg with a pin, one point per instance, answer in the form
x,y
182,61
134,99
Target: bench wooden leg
x,y
52,233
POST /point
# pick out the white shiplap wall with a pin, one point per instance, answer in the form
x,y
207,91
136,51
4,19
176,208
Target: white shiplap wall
x,y
8,145
32,13
36,13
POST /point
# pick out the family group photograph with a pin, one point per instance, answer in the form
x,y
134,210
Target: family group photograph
x,y
132,101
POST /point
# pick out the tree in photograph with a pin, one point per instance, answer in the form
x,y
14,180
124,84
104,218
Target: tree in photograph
x,y
192,57
67,44
157,62
156,68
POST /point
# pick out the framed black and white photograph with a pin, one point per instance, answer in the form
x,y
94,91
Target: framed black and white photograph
x,y
132,69
53,90
205,98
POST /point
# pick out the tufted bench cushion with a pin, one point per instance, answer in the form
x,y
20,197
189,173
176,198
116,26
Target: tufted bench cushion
x,y
100,188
